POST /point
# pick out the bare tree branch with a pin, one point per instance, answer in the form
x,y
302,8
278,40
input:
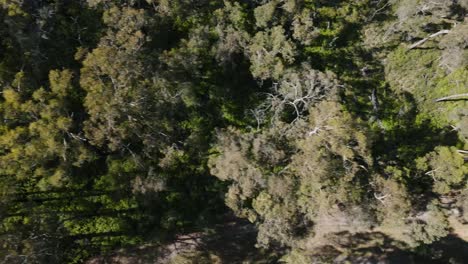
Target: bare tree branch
x,y
453,97
463,153
381,198
422,41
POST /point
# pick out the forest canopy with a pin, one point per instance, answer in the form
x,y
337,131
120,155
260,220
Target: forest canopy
x,y
337,129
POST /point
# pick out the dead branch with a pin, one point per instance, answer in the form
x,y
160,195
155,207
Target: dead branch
x,y
463,153
374,100
379,10
422,41
76,137
453,97
381,198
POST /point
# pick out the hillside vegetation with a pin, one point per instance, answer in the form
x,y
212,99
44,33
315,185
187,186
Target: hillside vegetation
x,y
336,129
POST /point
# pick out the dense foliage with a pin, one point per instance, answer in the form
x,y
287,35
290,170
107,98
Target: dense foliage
x,y
334,127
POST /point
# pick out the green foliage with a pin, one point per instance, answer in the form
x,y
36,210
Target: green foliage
x,y
446,167
430,226
326,172
13,7
321,122
270,53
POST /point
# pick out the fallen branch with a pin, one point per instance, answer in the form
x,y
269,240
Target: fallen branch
x,y
453,97
444,31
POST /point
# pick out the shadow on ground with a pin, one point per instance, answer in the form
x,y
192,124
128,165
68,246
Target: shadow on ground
x,y
233,242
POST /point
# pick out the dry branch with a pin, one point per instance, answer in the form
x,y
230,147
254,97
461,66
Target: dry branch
x,y
453,97
444,31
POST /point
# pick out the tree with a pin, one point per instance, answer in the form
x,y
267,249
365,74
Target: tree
x,y
270,52
446,167
293,177
108,76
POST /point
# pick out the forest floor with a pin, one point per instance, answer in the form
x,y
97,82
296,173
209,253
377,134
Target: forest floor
x,y
459,229
232,241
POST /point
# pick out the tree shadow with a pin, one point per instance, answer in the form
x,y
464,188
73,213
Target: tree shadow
x,y
231,241
405,135
235,242
368,247
376,247
450,249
